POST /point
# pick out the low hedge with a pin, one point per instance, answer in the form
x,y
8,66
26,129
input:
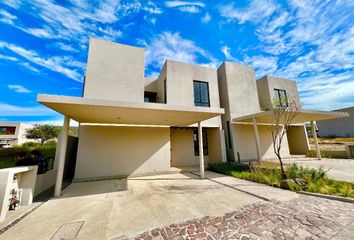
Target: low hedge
x,y
8,155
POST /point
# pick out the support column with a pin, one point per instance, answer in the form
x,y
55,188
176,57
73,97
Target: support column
x,y
256,134
201,153
314,135
62,152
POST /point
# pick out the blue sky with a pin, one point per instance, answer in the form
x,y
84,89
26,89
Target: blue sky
x,y
44,44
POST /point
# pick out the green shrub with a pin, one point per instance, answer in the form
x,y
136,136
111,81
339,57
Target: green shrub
x,y
315,179
8,155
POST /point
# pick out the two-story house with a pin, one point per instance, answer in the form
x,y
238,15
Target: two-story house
x,y
190,115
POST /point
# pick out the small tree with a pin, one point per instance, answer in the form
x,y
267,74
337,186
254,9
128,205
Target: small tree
x,y
43,132
283,117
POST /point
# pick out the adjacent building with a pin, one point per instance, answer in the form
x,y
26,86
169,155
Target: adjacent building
x,y
13,133
343,127
190,115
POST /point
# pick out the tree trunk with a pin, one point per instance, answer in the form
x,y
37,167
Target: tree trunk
x,y
283,175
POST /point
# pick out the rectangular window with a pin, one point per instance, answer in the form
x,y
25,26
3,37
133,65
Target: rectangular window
x,y
150,97
228,134
7,130
201,94
280,98
196,144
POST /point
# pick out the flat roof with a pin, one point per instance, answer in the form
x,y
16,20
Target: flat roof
x,y
303,116
88,110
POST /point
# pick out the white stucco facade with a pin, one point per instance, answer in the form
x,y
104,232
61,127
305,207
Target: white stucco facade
x,y
132,125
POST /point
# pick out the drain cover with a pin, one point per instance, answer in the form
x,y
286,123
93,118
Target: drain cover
x,y
68,231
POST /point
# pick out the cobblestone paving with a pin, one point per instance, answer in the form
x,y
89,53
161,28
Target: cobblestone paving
x,y
301,218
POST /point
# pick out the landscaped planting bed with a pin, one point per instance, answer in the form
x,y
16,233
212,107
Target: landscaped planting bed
x,y
300,178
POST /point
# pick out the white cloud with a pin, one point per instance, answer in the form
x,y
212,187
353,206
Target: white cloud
x,y
30,67
255,12
66,47
9,58
7,17
185,6
19,88
172,4
226,51
172,46
8,110
56,64
206,18
190,9
263,65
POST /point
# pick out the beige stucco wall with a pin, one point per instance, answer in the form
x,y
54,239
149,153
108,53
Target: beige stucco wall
x,y
341,127
114,72
298,141
245,143
182,147
266,86
238,96
105,151
150,85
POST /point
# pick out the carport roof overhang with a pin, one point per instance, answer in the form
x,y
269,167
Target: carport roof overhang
x,y
86,110
267,117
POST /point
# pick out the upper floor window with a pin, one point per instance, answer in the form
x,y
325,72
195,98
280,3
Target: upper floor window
x,y
7,130
281,100
201,94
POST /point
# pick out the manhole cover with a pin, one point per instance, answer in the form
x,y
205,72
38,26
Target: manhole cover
x,y
68,231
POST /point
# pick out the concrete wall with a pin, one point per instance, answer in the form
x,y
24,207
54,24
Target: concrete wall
x,y
106,151
245,143
150,85
114,72
266,86
298,141
341,127
45,181
180,78
238,96
182,147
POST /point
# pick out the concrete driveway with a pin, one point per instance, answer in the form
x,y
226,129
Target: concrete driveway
x,y
340,169
102,210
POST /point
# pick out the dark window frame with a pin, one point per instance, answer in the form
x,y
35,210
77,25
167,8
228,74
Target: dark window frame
x,y
201,103
228,128
196,142
280,103
165,91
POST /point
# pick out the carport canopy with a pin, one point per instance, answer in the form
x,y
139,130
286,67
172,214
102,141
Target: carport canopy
x,y
267,118
86,110
99,111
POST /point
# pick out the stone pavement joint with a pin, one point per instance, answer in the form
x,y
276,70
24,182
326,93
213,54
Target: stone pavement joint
x,y
305,217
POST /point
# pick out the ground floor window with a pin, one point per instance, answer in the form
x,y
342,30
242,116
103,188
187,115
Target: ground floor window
x,y
205,142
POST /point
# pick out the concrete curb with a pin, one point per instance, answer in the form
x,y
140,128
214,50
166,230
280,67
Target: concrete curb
x,y
331,197
19,218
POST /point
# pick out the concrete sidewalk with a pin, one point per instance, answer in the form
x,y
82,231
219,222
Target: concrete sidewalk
x,y
99,210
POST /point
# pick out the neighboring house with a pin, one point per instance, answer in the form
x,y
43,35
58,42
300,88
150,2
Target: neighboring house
x,y
343,127
190,115
12,133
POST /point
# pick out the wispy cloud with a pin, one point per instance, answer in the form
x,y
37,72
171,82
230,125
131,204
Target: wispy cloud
x,y
206,18
185,6
19,88
255,12
226,51
168,45
8,110
56,64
